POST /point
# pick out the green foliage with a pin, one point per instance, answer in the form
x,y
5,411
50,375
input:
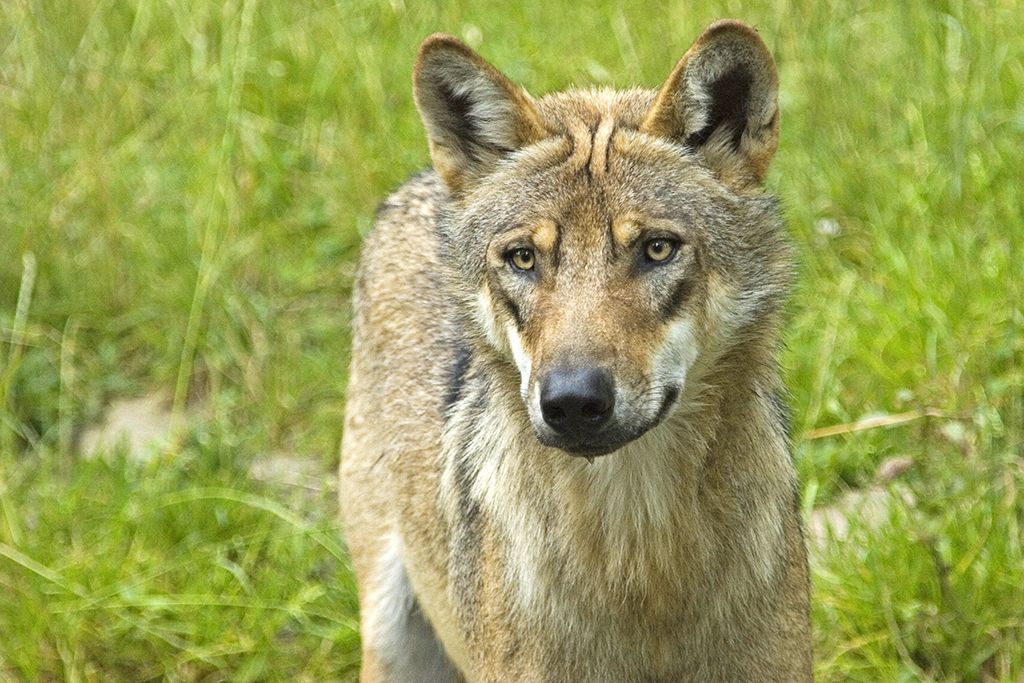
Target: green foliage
x,y
184,186
934,590
183,571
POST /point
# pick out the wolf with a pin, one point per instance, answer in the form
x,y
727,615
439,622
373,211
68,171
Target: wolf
x,y
565,454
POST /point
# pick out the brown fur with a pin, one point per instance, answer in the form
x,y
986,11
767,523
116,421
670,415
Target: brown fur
x,y
589,274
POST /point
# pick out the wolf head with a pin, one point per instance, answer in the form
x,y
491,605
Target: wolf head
x,y
612,246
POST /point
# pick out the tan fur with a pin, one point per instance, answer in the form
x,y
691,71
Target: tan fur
x,y
590,274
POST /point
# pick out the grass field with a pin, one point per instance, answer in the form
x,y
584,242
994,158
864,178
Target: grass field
x,y
183,187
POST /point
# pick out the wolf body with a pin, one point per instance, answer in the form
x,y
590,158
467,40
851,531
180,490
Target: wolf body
x,y
565,454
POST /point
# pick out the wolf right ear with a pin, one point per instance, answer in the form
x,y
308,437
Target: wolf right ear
x,y
473,114
722,101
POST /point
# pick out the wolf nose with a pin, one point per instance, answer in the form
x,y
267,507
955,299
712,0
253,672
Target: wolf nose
x,y
575,402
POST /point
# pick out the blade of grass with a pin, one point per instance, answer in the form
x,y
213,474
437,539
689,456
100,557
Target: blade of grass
x,y
218,210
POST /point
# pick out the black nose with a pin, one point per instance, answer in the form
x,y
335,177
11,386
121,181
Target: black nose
x,y
577,402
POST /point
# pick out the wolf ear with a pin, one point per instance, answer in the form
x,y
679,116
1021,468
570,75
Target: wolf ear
x,y
473,114
722,101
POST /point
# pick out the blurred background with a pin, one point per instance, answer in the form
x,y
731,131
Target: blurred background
x,y
184,185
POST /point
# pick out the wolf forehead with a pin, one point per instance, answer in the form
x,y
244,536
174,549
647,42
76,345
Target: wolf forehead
x,y
590,134
603,177
594,153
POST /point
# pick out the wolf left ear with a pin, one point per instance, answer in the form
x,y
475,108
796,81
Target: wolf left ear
x,y
722,101
473,114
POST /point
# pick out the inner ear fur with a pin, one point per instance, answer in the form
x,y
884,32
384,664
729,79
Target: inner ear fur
x,y
472,113
722,101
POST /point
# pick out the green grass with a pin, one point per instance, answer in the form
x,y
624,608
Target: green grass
x,y
183,186
190,573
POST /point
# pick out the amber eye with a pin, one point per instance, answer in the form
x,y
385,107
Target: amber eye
x,y
522,258
660,249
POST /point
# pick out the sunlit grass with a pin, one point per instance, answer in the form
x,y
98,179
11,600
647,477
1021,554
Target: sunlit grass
x,y
121,572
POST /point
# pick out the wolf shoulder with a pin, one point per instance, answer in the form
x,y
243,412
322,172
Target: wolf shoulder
x,y
402,318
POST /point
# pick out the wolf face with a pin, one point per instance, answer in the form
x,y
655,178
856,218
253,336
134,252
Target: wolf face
x,y
593,294
617,246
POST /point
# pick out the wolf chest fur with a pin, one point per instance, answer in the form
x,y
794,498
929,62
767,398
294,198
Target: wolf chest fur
x,y
565,454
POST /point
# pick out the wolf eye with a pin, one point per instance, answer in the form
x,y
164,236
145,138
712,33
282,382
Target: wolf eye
x,y
522,258
660,249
